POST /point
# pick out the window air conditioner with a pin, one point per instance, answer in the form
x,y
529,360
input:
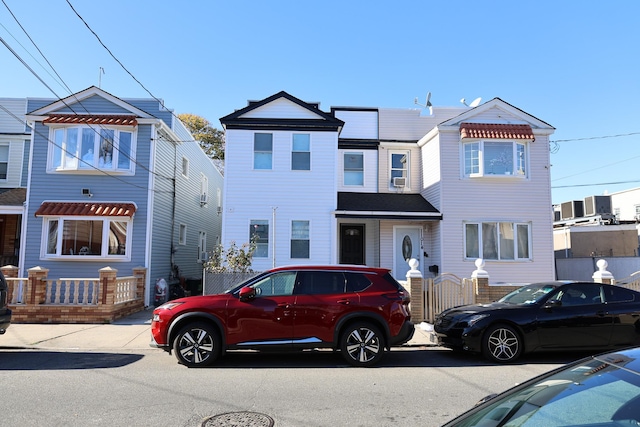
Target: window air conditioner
x,y
204,198
399,182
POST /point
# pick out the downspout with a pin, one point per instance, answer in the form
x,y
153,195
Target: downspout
x,y
173,249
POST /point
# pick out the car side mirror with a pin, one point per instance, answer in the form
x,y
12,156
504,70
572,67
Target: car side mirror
x,y
247,293
553,303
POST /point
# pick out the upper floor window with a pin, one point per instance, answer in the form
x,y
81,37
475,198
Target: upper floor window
x,y
494,158
353,169
182,234
204,189
202,246
399,169
259,230
86,148
263,151
497,241
301,152
185,167
86,238
4,161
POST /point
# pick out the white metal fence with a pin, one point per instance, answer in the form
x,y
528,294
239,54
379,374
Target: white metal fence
x,y
217,283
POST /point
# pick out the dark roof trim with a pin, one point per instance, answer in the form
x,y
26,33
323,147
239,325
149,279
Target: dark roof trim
x,y
385,206
282,124
334,109
325,120
358,144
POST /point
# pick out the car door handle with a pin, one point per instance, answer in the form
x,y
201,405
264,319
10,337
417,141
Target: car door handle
x,y
344,301
602,313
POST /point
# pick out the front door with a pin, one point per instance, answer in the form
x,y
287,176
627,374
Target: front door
x,y
352,244
407,244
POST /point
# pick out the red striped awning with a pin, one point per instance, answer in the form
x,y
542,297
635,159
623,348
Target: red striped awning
x,y
495,131
91,119
86,209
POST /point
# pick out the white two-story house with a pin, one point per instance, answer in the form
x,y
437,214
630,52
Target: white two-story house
x,y
380,186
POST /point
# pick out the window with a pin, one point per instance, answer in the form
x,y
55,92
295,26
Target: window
x,y
276,284
185,167
353,169
301,152
4,161
259,230
105,238
320,282
262,150
494,158
202,246
299,239
497,241
204,189
182,238
399,167
88,148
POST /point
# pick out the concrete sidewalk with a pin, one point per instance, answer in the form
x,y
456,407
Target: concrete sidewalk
x,y
130,333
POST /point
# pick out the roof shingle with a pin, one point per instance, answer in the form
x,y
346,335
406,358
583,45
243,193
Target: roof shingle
x,y
495,131
91,119
86,209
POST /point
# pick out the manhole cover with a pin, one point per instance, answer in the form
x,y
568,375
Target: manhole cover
x,y
239,419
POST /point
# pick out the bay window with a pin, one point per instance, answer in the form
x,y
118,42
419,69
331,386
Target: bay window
x,y
86,238
494,158
505,241
91,148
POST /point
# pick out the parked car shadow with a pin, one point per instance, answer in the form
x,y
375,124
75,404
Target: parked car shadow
x,y
407,357
14,360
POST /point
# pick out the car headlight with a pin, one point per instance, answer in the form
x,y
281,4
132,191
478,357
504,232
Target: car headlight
x,y
169,305
472,320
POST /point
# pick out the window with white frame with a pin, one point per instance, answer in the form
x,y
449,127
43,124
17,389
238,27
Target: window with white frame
x,y
4,160
91,148
204,189
259,232
185,167
494,158
299,239
262,150
301,152
202,246
182,234
353,168
399,168
86,237
505,241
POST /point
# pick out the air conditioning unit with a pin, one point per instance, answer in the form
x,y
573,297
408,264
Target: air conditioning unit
x,y
204,199
399,182
597,205
203,256
572,209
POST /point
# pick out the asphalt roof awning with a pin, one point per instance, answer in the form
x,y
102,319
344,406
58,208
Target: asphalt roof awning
x,y
91,119
96,209
385,206
495,131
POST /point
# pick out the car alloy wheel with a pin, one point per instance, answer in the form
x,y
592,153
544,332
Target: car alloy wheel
x,y
502,344
197,344
362,344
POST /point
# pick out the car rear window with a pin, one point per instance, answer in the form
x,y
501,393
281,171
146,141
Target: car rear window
x,y
612,294
357,282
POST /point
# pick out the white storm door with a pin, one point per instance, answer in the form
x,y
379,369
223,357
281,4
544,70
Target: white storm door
x,y
407,244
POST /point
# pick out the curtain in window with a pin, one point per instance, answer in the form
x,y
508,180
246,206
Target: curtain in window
x,y
506,240
489,240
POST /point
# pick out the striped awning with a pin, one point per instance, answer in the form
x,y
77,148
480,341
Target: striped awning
x,y
91,119
86,209
495,131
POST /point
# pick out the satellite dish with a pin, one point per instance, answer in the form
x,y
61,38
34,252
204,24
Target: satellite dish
x,y
427,103
464,101
475,102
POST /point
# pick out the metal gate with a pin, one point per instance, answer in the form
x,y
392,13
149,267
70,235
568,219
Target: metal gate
x,y
446,291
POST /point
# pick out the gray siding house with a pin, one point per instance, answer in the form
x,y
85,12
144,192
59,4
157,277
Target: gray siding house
x,y
120,183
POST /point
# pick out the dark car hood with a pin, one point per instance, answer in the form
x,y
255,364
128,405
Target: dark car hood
x,y
477,308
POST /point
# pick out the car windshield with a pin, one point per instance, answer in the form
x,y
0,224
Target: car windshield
x,y
529,294
593,393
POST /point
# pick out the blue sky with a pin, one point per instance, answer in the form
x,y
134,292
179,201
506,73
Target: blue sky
x,y
572,65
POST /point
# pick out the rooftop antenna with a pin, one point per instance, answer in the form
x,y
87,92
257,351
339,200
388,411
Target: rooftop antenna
x,y
427,103
100,73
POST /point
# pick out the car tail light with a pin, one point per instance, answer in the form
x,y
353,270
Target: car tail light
x,y
401,296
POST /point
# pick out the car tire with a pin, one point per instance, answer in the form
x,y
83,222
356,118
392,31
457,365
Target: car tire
x,y
197,345
362,344
501,343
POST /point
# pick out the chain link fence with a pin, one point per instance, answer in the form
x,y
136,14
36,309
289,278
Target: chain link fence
x,y
217,283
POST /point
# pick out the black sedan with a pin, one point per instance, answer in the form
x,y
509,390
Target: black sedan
x,y
544,317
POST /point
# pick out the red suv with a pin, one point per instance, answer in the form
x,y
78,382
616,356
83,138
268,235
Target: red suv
x,y
360,311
